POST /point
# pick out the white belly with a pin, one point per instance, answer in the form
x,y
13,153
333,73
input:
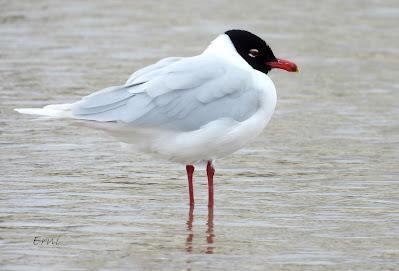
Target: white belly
x,y
220,137
212,141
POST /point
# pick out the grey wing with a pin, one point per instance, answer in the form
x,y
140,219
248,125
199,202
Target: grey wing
x,y
106,104
150,70
182,95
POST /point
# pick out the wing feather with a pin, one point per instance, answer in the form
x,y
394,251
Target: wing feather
x,y
175,93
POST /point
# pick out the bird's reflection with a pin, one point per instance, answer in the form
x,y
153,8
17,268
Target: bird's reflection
x,y
209,232
189,239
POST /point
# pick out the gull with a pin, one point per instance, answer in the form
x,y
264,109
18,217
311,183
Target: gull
x,y
189,110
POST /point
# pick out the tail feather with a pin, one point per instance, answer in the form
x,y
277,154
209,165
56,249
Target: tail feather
x,y
52,110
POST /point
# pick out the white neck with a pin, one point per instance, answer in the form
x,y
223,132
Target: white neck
x,y
223,47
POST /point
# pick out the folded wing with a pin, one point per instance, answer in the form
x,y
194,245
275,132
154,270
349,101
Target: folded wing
x,y
175,93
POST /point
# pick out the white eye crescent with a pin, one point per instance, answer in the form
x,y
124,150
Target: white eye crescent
x,y
253,52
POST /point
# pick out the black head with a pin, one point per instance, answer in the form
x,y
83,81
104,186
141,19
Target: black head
x,y
256,52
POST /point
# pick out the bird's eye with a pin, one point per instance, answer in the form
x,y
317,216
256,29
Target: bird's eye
x,y
253,53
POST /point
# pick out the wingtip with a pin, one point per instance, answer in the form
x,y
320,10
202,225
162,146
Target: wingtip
x,y
29,111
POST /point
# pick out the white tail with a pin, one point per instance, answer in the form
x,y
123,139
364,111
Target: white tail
x,y
52,110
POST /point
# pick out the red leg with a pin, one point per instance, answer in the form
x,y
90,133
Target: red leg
x,y
190,172
210,171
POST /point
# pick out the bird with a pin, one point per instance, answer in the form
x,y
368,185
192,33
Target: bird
x,y
189,110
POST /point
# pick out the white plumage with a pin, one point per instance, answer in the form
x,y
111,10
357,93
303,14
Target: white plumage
x,y
186,110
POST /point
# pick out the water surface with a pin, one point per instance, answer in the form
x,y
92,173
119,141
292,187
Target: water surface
x,y
318,190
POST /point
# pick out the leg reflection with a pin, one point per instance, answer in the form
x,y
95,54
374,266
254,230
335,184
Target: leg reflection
x,y
210,235
189,223
209,232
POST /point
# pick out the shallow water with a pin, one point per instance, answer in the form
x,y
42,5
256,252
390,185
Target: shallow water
x,y
318,190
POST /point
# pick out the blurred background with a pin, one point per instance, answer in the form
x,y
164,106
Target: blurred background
x,y
318,190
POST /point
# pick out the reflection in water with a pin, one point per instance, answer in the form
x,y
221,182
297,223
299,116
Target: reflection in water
x,y
209,232
189,223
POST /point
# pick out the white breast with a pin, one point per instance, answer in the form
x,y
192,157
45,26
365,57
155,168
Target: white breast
x,y
222,136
